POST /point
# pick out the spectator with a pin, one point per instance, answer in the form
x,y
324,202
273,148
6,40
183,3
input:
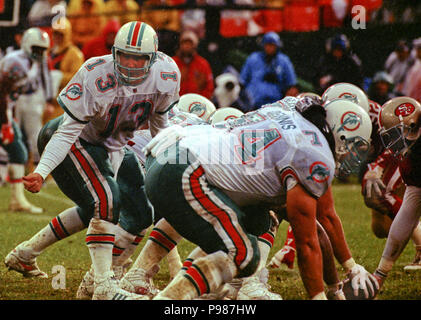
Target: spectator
x,y
229,92
66,57
42,11
103,44
339,64
86,20
381,88
412,84
196,73
124,10
268,75
398,63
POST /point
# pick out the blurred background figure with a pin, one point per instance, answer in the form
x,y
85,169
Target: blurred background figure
x,y
124,10
229,92
268,74
398,64
66,59
338,64
86,19
102,44
381,88
412,84
42,11
196,73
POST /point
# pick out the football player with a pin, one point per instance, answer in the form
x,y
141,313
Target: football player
x,y
272,155
107,100
20,75
400,122
383,188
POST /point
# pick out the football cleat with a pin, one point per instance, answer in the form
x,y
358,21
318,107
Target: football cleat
x,y
284,256
416,264
106,288
257,288
24,206
139,281
86,287
228,291
27,267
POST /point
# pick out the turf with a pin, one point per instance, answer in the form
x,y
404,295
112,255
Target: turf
x,y
72,256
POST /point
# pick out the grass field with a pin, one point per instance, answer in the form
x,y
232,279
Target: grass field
x,y
72,253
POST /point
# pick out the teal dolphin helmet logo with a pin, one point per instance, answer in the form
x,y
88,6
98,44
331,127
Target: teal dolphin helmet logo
x,y
350,121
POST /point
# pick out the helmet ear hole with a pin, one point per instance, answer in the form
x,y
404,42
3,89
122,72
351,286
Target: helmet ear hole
x,y
342,137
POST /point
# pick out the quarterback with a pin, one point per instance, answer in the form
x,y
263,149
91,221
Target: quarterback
x,y
105,102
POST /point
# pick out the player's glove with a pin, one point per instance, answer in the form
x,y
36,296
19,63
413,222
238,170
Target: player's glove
x,y
364,285
7,133
164,140
373,182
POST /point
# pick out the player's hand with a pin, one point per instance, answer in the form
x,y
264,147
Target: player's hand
x,y
33,182
164,140
7,133
373,182
361,279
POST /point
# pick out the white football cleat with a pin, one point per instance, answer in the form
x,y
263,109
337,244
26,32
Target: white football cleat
x,y
416,264
257,288
17,261
106,288
139,281
86,287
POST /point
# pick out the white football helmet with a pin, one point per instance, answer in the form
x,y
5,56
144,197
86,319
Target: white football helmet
x,y
139,39
351,127
308,94
196,104
399,122
35,43
224,114
347,91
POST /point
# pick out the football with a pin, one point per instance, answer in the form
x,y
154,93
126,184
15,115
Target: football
x,y
349,291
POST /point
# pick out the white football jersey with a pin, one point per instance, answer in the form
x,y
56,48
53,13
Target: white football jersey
x,y
253,158
112,111
175,116
27,75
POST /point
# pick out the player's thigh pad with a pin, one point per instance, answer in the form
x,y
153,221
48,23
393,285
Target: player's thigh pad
x,y
200,212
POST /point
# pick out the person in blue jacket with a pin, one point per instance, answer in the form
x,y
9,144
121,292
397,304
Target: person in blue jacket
x,y
269,75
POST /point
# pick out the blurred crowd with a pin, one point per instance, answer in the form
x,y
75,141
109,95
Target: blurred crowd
x,y
81,29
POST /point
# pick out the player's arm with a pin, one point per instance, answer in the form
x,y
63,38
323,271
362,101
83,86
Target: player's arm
x,y
54,152
301,211
359,278
328,218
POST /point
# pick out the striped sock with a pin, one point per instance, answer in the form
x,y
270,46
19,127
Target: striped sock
x,y
265,244
60,227
100,241
125,245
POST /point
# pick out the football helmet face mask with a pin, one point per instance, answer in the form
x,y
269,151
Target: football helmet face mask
x,y
351,127
399,122
35,43
134,52
196,104
346,91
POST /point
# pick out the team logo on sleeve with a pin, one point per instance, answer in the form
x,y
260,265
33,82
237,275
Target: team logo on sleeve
x,y
404,109
319,172
350,121
73,91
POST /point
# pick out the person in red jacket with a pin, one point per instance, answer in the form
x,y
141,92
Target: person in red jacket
x,y
102,45
196,73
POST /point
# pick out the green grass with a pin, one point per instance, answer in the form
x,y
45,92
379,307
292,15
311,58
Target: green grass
x,y
72,253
